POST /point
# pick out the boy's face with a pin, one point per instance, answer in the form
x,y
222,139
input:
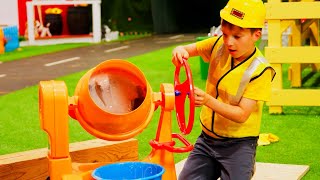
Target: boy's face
x,y
240,42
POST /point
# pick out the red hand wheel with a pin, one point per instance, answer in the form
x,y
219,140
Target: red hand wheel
x,y
182,90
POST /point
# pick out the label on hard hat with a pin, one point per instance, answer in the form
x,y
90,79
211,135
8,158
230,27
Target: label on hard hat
x,y
237,13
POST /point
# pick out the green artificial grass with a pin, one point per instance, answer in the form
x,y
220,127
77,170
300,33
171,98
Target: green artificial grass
x,y
296,127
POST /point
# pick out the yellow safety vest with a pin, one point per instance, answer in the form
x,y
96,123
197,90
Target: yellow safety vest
x,y
251,79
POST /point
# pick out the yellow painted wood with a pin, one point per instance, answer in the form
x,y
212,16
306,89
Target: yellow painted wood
x,y
277,81
276,84
301,0
296,33
306,35
295,97
274,1
280,16
275,109
305,54
285,24
274,33
314,28
307,23
289,73
309,34
296,78
315,67
305,1
314,41
274,40
293,10
303,66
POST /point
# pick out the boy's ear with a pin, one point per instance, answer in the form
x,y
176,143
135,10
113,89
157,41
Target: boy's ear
x,y
257,34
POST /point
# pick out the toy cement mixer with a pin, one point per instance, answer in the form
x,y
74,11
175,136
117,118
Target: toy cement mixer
x,y
114,101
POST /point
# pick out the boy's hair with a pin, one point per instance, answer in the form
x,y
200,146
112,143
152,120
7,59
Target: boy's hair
x,y
230,25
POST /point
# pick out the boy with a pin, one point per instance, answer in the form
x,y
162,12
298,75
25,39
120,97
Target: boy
x,y
238,83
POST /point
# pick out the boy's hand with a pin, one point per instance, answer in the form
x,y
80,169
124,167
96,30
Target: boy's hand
x,y
200,97
178,54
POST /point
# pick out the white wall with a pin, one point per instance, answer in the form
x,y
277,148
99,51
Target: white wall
x,y
9,12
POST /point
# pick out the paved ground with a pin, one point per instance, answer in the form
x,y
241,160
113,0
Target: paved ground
x,y
16,75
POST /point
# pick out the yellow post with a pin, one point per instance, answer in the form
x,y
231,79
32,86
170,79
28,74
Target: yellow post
x,y
314,28
295,69
274,40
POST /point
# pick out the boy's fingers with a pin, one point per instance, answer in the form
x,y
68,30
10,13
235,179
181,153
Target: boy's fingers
x,y
175,61
197,91
179,58
198,99
185,56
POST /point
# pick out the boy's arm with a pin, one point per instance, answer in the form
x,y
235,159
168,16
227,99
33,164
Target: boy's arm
x,y
184,51
238,113
259,89
202,48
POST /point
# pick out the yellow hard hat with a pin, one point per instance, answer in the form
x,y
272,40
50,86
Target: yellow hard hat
x,y
244,13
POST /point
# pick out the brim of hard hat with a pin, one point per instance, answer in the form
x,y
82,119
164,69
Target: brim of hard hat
x,y
225,15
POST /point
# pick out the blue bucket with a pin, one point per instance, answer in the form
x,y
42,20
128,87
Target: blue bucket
x,y
129,171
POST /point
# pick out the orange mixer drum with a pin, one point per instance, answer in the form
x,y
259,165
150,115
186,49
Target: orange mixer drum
x,y
114,101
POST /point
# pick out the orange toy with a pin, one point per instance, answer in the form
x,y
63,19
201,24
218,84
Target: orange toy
x,y
2,41
114,101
